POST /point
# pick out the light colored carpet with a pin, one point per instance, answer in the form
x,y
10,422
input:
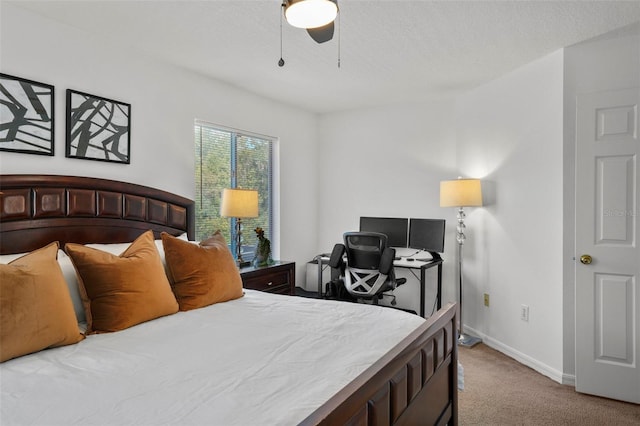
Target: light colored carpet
x,y
500,391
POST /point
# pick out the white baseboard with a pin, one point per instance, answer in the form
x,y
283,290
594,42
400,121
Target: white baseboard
x,y
552,373
569,379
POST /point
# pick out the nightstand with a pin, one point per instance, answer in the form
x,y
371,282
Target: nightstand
x,y
280,277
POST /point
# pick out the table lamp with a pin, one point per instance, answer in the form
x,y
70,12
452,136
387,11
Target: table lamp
x,y
239,204
461,193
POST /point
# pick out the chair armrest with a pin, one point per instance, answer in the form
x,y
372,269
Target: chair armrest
x,y
386,261
335,261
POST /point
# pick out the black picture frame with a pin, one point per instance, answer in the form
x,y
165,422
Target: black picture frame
x,y
27,112
98,128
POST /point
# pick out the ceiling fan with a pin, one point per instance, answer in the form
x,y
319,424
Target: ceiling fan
x,y
316,16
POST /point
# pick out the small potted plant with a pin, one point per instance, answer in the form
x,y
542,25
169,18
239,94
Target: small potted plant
x,y
263,250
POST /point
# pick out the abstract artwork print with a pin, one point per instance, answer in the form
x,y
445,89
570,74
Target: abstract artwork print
x,y
97,128
26,116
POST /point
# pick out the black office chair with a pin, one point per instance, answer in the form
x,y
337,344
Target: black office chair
x,y
368,272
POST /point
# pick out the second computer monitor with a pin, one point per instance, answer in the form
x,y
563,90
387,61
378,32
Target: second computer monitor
x,y
394,228
427,234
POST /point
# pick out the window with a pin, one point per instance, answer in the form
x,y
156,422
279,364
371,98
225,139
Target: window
x,y
227,158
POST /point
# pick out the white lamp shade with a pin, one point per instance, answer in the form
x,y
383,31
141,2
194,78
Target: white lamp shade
x,y
460,193
310,13
239,203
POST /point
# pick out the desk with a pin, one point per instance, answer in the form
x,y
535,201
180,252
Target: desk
x,y
423,266
402,263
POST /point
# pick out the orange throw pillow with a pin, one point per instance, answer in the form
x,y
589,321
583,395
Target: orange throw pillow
x,y
121,291
36,311
201,275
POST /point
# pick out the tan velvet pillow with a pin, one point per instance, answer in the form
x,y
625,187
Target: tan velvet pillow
x,y
201,275
121,291
216,240
35,306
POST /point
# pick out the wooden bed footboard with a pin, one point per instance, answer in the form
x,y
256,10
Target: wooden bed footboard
x,y
413,384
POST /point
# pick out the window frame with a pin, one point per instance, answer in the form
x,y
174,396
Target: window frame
x,y
235,134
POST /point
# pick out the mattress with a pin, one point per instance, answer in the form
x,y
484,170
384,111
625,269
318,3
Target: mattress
x,y
262,359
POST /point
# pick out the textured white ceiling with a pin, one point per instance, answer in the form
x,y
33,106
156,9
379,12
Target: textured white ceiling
x,y
390,51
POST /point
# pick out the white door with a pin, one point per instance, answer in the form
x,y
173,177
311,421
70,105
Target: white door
x,y
607,222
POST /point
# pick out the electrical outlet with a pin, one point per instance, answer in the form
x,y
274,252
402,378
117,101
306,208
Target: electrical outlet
x,y
486,300
524,313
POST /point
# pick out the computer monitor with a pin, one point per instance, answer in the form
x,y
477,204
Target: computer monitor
x,y
393,227
427,235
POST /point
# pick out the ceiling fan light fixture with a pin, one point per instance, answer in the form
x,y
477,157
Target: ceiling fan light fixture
x,y
310,13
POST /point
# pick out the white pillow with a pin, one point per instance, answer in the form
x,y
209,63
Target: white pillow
x,y
69,273
7,258
115,248
119,248
161,249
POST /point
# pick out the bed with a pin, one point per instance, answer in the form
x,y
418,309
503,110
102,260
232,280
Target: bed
x,y
233,366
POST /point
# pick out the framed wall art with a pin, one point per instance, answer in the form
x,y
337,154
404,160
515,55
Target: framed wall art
x,y
26,116
98,128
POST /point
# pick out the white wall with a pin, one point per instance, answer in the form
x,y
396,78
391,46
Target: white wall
x,y
516,133
388,162
610,62
165,101
510,134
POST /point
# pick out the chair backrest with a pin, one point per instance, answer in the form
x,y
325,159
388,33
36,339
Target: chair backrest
x,y
364,249
363,277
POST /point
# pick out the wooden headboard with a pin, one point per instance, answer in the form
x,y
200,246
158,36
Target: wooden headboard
x,y
38,209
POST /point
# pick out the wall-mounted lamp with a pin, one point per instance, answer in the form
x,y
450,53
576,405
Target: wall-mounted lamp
x,y
461,193
239,204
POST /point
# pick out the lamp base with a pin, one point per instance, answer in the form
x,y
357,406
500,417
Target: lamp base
x,y
468,341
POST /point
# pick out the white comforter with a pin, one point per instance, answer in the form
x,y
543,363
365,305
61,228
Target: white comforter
x,y
260,360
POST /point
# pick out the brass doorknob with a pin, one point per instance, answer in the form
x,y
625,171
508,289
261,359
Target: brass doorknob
x,y
585,259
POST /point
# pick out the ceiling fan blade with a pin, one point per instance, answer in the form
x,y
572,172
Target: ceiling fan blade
x,y
322,34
